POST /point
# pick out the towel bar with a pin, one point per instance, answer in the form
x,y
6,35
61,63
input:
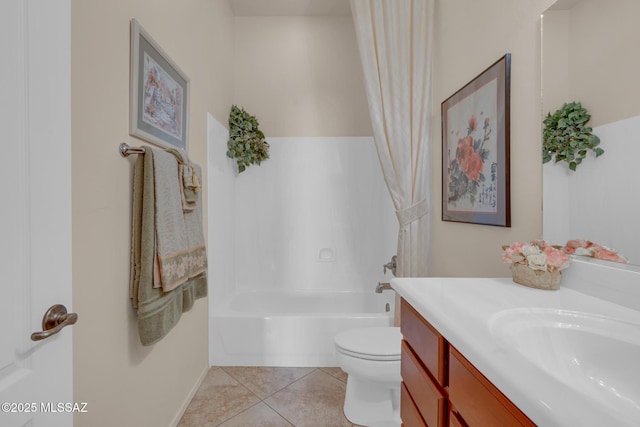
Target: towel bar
x,y
125,150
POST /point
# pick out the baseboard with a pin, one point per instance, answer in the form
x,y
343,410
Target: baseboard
x,y
187,400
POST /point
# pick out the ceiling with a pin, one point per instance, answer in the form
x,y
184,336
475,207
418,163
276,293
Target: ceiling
x,y
290,7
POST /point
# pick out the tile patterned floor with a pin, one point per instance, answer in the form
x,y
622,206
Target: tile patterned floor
x,y
269,397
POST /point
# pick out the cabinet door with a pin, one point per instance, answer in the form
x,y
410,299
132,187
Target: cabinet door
x,y
408,410
478,401
426,393
425,341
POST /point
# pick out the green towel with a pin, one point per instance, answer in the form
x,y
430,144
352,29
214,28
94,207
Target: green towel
x,y
158,311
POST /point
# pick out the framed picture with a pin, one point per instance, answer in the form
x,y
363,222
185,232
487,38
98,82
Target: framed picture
x,y
475,149
159,94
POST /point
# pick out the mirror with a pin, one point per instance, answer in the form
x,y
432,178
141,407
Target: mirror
x,y
590,55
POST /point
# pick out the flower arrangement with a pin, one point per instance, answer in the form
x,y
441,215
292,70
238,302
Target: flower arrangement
x,y
536,264
594,250
537,255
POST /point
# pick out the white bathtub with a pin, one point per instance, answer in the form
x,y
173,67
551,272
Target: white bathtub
x,y
291,328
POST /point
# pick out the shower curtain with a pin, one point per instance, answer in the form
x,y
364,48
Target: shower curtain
x,y
395,39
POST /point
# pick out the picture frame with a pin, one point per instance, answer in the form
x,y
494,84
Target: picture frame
x,y
475,149
159,94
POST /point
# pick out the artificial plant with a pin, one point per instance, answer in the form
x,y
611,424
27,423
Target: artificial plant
x,y
246,141
567,136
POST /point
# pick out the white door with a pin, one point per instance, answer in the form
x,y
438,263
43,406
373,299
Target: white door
x,y
35,211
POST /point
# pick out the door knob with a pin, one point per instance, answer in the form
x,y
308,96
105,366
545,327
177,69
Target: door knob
x,y
53,321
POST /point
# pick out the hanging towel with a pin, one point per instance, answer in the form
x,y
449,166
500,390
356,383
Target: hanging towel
x,y
189,181
157,311
180,249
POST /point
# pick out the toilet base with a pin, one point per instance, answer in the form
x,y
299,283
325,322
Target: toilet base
x,y
371,404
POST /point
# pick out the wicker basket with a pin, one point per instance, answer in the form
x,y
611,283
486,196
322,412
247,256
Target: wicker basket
x,y
547,280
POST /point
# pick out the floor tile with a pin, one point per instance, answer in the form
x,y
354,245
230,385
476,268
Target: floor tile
x,y
336,372
264,381
219,398
315,400
259,415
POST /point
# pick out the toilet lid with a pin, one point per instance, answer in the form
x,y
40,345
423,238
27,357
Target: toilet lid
x,y
376,343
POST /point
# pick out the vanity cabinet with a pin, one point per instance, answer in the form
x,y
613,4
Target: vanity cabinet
x,y
440,387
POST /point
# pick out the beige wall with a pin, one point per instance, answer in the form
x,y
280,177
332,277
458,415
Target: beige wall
x,y
124,383
603,62
470,36
301,76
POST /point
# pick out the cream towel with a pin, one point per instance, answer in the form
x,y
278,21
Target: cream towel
x,y
180,249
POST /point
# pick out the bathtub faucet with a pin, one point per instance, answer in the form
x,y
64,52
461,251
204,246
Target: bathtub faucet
x,y
383,287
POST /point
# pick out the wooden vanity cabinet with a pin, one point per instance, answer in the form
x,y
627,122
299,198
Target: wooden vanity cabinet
x,y
440,387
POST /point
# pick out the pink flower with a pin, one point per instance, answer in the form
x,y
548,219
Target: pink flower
x,y
464,151
474,166
556,258
469,161
513,253
588,248
473,124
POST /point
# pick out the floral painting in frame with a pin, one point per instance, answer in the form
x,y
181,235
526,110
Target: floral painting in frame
x,y
475,149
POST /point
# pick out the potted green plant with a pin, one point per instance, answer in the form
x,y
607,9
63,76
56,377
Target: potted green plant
x,y
246,142
567,136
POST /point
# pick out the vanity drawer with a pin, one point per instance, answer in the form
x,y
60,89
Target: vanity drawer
x,y
478,401
425,341
455,420
425,392
408,410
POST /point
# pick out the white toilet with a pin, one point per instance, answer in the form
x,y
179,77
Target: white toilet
x,y
371,357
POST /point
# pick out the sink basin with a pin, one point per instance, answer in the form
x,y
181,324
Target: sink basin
x,y
593,355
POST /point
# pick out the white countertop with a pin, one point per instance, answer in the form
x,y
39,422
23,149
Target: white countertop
x,y
465,311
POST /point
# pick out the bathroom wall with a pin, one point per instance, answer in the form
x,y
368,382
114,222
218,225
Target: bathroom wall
x,y
301,75
471,36
122,382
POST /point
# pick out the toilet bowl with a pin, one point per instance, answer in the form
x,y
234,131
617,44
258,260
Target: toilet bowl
x,y
371,358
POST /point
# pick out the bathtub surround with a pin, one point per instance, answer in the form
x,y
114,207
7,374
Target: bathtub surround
x,y
158,309
291,327
311,230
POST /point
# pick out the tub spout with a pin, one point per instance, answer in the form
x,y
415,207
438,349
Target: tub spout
x,y
383,287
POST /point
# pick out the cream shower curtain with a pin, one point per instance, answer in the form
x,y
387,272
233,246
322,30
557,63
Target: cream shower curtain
x,y
395,39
